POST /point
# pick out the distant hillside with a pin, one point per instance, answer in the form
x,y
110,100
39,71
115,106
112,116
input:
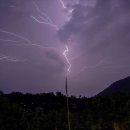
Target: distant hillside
x,y
122,85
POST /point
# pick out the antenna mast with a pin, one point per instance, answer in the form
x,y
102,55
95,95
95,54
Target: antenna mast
x,y
68,109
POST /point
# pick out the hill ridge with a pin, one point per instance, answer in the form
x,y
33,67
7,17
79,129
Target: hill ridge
x,y
122,85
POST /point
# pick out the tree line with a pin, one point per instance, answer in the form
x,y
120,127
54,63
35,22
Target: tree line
x,y
47,111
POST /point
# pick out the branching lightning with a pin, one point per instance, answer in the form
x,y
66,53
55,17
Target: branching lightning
x,y
18,43
35,45
6,40
66,51
26,42
62,3
15,35
44,22
9,58
43,18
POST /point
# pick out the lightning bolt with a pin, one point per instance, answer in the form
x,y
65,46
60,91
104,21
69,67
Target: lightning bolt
x,y
26,42
43,18
36,45
6,40
62,3
67,59
10,58
65,7
15,35
66,51
43,22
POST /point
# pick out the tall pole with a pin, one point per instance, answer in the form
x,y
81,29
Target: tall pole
x,y
68,110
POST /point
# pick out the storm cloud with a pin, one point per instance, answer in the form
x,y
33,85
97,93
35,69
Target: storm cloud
x,y
39,65
101,31
98,51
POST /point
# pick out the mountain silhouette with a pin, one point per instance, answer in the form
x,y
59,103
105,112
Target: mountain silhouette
x,y
122,86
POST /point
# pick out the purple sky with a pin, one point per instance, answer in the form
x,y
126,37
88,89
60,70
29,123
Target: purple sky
x,y
31,57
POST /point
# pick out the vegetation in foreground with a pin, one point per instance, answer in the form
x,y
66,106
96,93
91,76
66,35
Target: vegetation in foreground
x,y
48,112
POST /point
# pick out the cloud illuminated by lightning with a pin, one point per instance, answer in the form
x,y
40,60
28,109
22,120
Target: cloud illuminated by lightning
x,y
66,51
45,19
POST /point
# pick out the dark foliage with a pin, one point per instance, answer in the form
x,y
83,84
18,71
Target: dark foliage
x,y
48,112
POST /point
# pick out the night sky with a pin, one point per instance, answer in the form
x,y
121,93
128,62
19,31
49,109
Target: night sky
x,y
35,33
